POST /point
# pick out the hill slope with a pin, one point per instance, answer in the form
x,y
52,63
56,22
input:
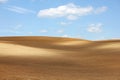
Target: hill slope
x,y
51,58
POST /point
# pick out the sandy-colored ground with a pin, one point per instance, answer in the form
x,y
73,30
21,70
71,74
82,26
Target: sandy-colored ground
x,y
50,58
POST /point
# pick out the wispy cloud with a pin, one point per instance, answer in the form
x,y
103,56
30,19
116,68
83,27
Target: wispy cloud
x,y
72,17
60,31
69,11
30,32
116,38
17,27
65,23
101,9
19,10
3,1
15,30
65,35
95,28
43,31
37,0
33,0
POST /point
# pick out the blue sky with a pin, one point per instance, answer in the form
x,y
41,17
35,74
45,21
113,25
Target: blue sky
x,y
86,19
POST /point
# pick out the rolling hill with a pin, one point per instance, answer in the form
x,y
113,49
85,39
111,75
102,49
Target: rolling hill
x,y
55,58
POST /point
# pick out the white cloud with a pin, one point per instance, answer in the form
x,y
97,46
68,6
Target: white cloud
x,y
15,32
3,1
14,29
18,27
95,28
115,38
70,11
30,32
43,31
65,23
60,31
33,0
101,9
36,0
19,10
72,17
65,35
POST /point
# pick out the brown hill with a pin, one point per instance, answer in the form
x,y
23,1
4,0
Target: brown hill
x,y
54,58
